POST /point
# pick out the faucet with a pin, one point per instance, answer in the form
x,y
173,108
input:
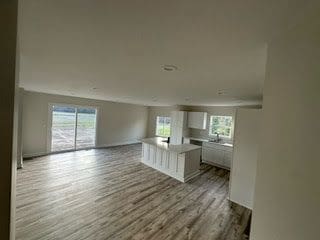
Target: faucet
x,y
218,137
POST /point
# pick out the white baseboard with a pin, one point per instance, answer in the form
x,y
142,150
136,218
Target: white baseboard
x,y
34,155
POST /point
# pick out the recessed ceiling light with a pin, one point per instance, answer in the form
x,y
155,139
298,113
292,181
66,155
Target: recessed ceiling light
x,y
170,68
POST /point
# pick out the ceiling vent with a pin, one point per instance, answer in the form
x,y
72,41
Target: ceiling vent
x,y
170,68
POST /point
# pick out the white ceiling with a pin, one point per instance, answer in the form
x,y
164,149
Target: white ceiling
x,y
115,49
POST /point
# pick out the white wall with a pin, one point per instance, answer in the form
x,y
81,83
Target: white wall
x,y
118,123
287,195
245,156
8,117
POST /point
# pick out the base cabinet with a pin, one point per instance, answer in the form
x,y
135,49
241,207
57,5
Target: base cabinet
x,y
214,154
227,159
182,166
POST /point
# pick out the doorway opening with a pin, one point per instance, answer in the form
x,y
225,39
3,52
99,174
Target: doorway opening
x,y
72,127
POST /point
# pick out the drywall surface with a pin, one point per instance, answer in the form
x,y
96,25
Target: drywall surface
x,y
117,123
8,117
287,193
245,156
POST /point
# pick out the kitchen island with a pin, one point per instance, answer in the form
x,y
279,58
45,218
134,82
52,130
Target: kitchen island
x,y
181,161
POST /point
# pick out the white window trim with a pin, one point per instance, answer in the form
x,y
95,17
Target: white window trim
x,y
221,136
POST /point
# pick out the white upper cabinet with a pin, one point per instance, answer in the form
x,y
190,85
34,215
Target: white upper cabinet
x,y
197,120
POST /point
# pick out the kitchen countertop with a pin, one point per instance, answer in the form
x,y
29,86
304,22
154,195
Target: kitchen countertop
x,y
207,140
198,139
181,148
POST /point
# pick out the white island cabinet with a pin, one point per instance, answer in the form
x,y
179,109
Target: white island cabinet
x,y
181,162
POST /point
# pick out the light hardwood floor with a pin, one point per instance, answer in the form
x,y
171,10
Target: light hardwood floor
x,y
109,194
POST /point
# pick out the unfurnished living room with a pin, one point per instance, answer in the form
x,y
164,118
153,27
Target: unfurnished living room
x,y
154,120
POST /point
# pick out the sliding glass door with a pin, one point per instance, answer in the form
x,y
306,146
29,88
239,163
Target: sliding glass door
x,y
63,128
86,127
72,127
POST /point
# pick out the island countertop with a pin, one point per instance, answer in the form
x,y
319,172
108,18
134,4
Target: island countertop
x,y
181,148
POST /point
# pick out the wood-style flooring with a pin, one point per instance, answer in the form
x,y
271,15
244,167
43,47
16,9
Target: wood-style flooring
x,y
109,194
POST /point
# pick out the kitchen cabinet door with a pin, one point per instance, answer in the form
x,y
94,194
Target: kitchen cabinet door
x,y
145,152
227,159
218,156
212,155
207,155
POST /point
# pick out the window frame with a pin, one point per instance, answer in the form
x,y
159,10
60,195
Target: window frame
x,y
220,135
49,125
156,128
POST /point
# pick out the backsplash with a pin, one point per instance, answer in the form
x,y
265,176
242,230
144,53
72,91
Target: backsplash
x,y
197,133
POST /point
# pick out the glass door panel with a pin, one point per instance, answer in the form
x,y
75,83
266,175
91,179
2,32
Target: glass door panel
x,y
86,127
63,128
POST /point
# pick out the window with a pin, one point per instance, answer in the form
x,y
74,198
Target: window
x,y
163,126
221,125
